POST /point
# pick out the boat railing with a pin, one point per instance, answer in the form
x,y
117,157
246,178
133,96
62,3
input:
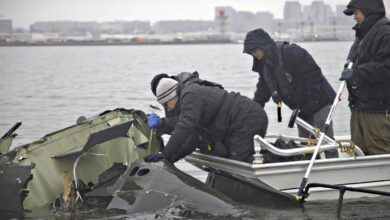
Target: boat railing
x,y
329,144
314,131
261,143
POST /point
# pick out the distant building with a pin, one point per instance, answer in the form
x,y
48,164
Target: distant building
x,y
91,30
264,16
111,27
66,28
266,21
229,20
5,26
293,11
137,27
125,27
301,22
21,37
306,13
244,21
329,11
5,29
224,17
317,13
293,17
183,26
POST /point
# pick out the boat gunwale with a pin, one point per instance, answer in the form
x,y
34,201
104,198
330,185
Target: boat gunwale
x,y
254,170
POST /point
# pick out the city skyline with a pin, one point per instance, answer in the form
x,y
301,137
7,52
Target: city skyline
x,y
25,12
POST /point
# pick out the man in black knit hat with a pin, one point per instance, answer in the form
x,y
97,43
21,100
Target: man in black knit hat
x,y
205,109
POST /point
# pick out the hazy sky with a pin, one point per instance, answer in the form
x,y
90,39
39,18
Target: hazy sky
x,y
25,12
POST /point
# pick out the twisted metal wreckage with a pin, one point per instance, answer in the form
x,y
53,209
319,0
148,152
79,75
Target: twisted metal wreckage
x,y
34,174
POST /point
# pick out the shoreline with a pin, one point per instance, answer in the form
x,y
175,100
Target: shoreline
x,y
129,43
115,43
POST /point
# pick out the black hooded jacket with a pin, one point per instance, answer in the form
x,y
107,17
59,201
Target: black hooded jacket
x,y
288,73
210,112
369,88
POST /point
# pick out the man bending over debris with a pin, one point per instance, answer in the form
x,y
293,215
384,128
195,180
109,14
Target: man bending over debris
x,y
207,110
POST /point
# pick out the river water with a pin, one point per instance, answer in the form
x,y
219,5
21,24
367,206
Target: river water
x,y
48,88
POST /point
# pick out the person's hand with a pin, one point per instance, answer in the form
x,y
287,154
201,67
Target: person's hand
x,y
346,74
154,157
154,120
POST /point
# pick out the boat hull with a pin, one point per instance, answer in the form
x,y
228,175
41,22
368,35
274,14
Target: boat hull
x,y
368,172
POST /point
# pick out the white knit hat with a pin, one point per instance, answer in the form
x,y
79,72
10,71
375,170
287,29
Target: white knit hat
x,y
166,90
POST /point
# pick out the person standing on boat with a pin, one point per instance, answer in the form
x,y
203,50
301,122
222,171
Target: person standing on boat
x,y
368,81
289,74
221,116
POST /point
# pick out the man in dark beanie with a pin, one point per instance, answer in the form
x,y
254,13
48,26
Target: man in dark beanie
x,y
368,81
289,74
206,110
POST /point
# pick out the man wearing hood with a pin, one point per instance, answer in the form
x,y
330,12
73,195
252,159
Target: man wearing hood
x,y
289,74
209,111
368,81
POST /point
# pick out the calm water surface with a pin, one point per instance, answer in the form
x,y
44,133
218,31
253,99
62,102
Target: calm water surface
x,y
48,88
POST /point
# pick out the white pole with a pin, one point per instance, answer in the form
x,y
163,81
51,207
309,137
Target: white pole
x,y
300,195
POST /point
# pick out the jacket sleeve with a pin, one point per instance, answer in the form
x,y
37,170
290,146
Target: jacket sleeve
x,y
179,145
313,78
191,143
262,94
377,70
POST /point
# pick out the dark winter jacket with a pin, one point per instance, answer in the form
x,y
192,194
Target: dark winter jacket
x,y
209,111
288,73
184,78
369,88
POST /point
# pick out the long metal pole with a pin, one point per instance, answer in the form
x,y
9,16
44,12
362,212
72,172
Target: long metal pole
x,y
300,196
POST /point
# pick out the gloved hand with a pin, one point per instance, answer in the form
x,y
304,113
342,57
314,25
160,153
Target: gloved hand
x,y
154,120
154,157
346,74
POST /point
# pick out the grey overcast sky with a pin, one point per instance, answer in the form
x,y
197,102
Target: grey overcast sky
x,y
25,12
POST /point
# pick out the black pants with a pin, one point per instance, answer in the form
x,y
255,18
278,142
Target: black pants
x,y
240,144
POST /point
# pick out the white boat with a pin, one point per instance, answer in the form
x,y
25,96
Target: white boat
x,y
360,172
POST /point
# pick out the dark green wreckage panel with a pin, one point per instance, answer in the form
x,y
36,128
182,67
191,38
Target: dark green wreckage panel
x,y
54,163
6,139
5,144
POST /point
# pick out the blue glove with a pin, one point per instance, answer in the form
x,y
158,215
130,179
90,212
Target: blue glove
x,y
154,157
154,120
346,74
